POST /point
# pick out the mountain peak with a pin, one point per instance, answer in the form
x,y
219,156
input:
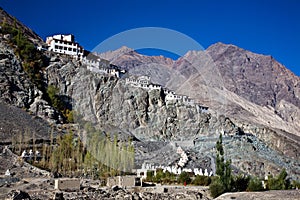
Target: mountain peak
x,y
111,55
124,49
219,46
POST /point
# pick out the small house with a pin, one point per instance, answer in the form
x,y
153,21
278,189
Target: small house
x,y
67,184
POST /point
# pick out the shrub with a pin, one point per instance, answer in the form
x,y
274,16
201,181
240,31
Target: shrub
x,y
295,184
150,176
184,177
202,180
255,184
70,116
216,188
240,183
278,183
169,177
159,176
55,100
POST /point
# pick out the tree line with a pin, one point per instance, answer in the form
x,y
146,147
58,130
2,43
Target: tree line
x,y
100,156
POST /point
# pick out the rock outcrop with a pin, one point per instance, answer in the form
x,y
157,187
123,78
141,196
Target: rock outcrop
x,y
15,87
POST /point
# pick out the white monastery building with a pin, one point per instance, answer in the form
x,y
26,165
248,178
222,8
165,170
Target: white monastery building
x,y
64,44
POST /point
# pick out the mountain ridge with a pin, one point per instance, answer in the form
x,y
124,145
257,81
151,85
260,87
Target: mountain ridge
x,y
257,78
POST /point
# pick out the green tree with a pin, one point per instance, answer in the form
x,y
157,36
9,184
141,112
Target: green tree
x,y
184,177
240,183
255,184
223,167
202,180
159,176
223,170
278,183
216,188
67,156
150,176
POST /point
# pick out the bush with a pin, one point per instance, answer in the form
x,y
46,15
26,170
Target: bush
x,y
240,183
150,176
295,184
184,177
216,188
55,100
255,184
159,176
169,177
70,116
202,180
278,183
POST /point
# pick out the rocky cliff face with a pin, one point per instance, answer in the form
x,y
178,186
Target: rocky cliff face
x,y
229,76
107,100
16,89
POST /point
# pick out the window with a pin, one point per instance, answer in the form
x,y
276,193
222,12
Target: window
x,y
69,49
74,50
65,48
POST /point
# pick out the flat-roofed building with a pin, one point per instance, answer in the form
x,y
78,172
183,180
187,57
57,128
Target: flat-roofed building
x,y
64,44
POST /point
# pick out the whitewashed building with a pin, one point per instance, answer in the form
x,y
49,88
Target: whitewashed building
x,y
64,44
142,82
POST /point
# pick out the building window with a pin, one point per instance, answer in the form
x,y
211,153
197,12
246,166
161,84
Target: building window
x,y
65,48
69,49
74,50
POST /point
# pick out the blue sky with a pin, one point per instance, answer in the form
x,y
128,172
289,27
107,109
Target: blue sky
x,y
268,27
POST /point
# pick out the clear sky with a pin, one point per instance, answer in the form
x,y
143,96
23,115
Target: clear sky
x,y
270,27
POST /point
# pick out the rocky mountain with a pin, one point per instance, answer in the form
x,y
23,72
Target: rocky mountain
x,y
258,94
259,122
158,126
228,79
234,81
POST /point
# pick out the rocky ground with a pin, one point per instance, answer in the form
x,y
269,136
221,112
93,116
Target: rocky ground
x,y
27,181
274,195
27,124
116,192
